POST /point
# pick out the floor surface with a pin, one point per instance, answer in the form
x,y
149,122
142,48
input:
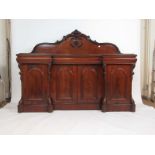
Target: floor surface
x,y
77,122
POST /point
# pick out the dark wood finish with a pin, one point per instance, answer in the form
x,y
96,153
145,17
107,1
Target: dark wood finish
x,y
76,73
63,84
90,84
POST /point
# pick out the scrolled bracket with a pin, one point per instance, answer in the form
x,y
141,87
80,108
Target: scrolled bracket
x,y
133,66
20,72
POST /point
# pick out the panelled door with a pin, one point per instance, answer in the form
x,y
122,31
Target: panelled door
x,y
63,84
119,84
34,85
76,86
90,84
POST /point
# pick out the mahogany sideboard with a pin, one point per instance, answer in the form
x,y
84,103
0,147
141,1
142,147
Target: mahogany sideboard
x,y
76,73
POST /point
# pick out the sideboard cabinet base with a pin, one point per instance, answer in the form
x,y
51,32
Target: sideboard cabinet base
x,y
76,73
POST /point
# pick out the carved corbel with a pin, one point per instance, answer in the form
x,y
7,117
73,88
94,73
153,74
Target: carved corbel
x,y
20,72
133,66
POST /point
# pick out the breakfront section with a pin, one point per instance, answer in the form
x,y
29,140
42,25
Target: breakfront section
x,y
76,86
35,76
76,73
118,83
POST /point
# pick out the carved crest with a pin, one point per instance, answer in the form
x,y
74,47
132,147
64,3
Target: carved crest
x,y
76,38
76,41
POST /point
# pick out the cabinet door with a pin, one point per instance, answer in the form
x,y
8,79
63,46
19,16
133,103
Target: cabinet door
x,y
63,84
35,83
118,84
90,84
